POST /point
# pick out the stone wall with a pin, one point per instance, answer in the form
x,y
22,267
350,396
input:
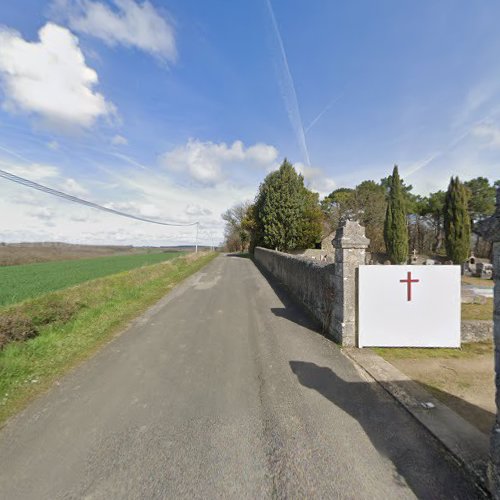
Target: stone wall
x,y
490,230
327,290
310,282
476,331
495,433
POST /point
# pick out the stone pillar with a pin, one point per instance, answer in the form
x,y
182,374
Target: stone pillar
x,y
490,229
350,245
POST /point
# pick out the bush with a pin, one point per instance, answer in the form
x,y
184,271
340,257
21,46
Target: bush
x,y
22,322
53,309
14,326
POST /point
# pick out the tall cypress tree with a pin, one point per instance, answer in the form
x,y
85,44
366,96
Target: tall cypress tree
x,y
457,226
395,228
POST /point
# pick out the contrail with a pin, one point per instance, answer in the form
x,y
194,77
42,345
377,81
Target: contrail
x,y
13,153
289,94
327,107
129,160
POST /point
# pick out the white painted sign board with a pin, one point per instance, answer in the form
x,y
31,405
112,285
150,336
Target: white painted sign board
x,y
409,306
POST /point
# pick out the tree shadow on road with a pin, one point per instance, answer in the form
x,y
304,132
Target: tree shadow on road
x,y
416,457
242,255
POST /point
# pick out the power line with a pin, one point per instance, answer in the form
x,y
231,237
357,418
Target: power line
x,y
74,199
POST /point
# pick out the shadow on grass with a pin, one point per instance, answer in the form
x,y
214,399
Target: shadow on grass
x,y
477,416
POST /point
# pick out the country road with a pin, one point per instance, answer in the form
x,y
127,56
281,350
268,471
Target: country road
x,y
223,390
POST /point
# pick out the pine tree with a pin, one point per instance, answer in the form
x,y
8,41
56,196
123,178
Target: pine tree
x,y
457,225
395,228
287,214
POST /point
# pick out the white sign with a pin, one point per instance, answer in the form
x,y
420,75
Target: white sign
x,y
409,306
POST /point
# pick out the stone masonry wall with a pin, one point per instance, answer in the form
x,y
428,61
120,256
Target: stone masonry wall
x,y
310,282
495,433
327,290
476,331
490,229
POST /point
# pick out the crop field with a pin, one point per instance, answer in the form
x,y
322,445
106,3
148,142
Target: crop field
x,y
27,281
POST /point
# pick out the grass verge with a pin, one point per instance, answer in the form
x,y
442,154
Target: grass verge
x,y
462,379
471,280
466,351
478,311
105,306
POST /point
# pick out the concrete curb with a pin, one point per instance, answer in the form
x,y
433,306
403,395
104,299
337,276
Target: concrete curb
x,y
466,444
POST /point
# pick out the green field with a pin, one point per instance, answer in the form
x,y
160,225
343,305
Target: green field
x,y
70,325
27,281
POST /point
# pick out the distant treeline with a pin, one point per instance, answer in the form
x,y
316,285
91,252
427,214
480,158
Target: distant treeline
x,y
286,215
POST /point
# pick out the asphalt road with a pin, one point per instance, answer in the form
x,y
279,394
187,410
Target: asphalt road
x,y
224,390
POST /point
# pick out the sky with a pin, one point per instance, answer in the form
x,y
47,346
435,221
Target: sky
x,y
177,109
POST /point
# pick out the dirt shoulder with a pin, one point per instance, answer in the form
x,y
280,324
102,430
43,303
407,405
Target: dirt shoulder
x,y
463,379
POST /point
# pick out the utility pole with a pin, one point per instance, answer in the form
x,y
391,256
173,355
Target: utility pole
x,y
197,224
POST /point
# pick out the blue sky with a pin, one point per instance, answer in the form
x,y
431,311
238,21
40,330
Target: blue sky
x,y
176,109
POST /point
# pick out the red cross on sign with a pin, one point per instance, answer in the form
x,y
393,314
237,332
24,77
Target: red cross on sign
x,y
409,281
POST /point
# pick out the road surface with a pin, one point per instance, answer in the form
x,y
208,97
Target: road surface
x,y
224,390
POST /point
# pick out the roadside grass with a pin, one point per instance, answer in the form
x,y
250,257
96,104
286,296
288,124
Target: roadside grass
x,y
466,351
18,283
462,379
471,280
478,311
104,307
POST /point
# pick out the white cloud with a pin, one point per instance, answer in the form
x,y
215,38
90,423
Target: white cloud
x,y
119,140
149,194
50,78
315,179
197,210
204,161
80,218
33,171
136,208
489,133
129,23
73,187
43,213
479,95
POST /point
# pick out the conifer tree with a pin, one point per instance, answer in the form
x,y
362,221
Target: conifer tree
x,y
457,225
395,228
287,214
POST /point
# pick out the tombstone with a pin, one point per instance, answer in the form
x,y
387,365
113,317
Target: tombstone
x,y
466,269
430,262
413,259
484,270
470,267
478,269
